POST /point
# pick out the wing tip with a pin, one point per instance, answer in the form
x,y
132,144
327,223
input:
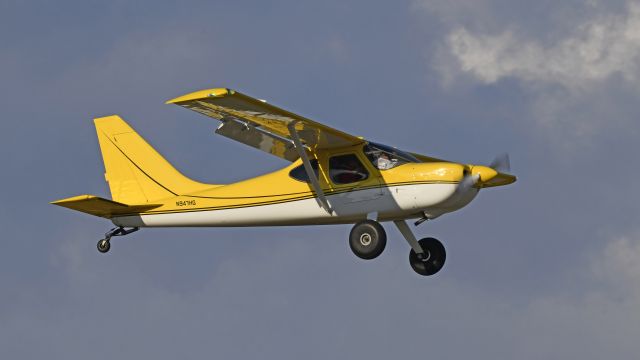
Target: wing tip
x,y
215,92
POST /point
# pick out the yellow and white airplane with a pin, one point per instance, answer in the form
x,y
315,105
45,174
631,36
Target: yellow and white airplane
x,y
333,178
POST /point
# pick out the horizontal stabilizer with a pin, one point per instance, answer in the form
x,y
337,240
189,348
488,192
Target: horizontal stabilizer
x,y
98,206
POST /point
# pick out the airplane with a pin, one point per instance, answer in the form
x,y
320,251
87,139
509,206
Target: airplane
x,y
333,178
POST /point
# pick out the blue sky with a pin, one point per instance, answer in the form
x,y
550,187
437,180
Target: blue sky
x,y
546,268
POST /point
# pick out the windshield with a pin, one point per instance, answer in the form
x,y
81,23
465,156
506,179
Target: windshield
x,y
386,157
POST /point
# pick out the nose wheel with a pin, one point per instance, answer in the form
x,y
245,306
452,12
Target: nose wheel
x,y
104,245
427,256
431,260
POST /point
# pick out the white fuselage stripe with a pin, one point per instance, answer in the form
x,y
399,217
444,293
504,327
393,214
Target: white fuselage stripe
x,y
394,202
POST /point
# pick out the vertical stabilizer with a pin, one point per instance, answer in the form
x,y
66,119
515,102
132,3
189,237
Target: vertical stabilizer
x,y
136,173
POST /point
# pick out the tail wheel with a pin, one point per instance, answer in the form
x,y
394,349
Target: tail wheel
x,y
367,239
432,260
104,245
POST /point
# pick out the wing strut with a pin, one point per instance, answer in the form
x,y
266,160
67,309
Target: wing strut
x,y
307,166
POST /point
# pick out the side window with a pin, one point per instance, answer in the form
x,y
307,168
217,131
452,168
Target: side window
x,y
385,157
346,169
300,174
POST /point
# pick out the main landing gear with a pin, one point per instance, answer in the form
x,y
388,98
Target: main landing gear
x,y
105,244
368,239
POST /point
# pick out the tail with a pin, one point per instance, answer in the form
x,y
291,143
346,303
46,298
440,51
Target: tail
x,y
136,173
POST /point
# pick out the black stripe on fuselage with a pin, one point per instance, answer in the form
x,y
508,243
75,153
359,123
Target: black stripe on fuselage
x,y
273,202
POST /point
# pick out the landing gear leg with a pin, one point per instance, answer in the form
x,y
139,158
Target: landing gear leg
x,y
105,244
408,235
427,256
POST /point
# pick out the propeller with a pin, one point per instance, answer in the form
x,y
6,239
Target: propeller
x,y
467,182
501,163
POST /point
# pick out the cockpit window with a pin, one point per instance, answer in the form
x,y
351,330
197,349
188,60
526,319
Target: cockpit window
x,y
346,169
300,174
386,157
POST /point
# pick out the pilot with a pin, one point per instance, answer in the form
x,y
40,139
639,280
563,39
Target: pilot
x,y
383,162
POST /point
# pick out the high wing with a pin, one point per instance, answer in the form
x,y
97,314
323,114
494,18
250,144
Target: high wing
x,y
261,125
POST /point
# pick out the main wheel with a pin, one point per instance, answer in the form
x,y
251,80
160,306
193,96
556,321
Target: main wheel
x,y
104,245
433,260
367,239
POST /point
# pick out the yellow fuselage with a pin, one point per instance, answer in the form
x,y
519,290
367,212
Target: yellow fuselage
x,y
407,191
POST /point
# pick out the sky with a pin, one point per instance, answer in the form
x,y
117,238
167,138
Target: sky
x,y
548,267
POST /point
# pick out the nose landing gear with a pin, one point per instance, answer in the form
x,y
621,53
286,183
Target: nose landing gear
x,y
427,256
431,260
104,245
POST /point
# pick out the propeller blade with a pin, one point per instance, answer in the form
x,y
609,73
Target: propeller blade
x,y
467,182
501,163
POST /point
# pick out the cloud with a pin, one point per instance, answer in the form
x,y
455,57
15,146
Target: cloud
x,y
576,70
283,303
604,318
619,265
598,49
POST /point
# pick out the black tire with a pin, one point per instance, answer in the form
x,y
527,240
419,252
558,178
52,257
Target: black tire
x,y
367,239
104,246
435,256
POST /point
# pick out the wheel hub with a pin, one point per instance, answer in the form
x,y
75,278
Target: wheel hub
x,y
425,256
365,239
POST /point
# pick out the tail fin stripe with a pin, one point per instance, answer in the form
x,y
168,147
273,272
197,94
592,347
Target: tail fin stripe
x,y
139,168
135,171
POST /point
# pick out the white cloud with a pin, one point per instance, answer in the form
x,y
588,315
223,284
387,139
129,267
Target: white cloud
x,y
620,265
576,69
598,49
